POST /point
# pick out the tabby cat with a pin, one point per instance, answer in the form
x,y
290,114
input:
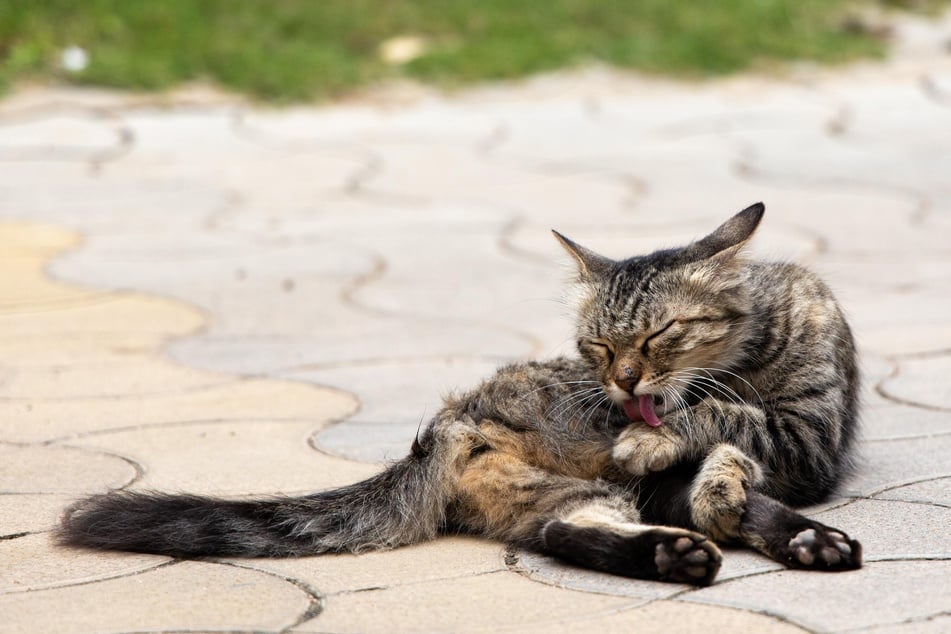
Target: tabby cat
x,y
711,394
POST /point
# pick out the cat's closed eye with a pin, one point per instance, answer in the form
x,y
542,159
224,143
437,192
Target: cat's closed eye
x,y
603,348
657,333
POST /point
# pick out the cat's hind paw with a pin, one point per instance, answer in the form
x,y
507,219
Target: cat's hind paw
x,y
819,547
688,558
657,552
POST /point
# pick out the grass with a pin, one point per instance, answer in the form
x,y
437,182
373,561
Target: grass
x,y
292,50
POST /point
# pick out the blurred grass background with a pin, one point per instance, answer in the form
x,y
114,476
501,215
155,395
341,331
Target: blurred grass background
x,y
291,50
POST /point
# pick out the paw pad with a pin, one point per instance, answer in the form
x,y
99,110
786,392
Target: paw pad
x,y
687,559
820,548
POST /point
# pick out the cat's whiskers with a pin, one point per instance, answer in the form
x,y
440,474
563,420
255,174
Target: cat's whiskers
x,y
564,407
680,402
707,378
712,398
709,371
589,413
556,384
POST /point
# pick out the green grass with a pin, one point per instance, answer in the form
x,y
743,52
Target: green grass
x,y
288,50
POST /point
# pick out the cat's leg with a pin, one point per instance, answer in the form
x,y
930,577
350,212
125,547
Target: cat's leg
x,y
589,523
718,498
795,540
596,536
725,505
718,492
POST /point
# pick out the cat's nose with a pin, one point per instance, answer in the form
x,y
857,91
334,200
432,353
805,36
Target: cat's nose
x,y
626,379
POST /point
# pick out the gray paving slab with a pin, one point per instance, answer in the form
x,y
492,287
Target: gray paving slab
x,y
922,382
902,530
841,602
937,491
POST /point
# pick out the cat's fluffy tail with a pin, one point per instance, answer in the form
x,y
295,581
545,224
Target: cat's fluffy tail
x,y
404,504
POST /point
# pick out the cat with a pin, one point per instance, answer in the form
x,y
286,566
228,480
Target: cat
x,y
710,395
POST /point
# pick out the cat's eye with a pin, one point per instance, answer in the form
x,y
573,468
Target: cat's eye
x,y
657,333
606,348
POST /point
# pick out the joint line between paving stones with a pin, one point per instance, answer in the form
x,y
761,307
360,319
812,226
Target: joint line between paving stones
x,y
416,583
379,270
166,424
314,597
86,582
915,619
904,483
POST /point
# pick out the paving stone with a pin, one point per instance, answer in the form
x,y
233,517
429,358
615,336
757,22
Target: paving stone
x,y
446,559
897,462
893,529
62,134
35,562
923,382
105,378
668,617
236,401
98,316
937,491
882,422
938,87
831,602
357,340
927,625
433,120
253,458
29,513
27,469
883,324
186,596
457,605
262,176
396,397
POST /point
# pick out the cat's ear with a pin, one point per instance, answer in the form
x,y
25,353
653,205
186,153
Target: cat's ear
x,y
729,237
591,266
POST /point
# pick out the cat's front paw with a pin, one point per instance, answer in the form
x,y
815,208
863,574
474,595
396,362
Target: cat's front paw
x,y
641,449
718,493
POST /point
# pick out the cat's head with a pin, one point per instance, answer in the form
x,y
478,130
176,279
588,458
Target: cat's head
x,y
650,325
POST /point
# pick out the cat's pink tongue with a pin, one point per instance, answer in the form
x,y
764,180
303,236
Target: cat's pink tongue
x,y
646,403
642,409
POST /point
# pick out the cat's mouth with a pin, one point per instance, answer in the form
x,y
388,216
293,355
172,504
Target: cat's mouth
x,y
643,408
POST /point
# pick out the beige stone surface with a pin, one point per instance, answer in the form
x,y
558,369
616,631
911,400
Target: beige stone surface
x,y
250,457
36,562
668,617
52,469
185,596
485,602
30,512
444,561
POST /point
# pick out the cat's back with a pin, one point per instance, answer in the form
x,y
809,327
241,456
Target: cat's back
x,y
800,333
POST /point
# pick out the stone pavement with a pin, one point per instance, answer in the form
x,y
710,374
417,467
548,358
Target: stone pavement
x,y
203,295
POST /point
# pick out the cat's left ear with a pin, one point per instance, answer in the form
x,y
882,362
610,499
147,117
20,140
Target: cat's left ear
x,y
591,266
729,237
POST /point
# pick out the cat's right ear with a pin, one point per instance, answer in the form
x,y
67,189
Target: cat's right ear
x,y
591,266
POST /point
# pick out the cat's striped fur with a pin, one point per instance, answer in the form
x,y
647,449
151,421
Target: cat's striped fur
x,y
710,392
